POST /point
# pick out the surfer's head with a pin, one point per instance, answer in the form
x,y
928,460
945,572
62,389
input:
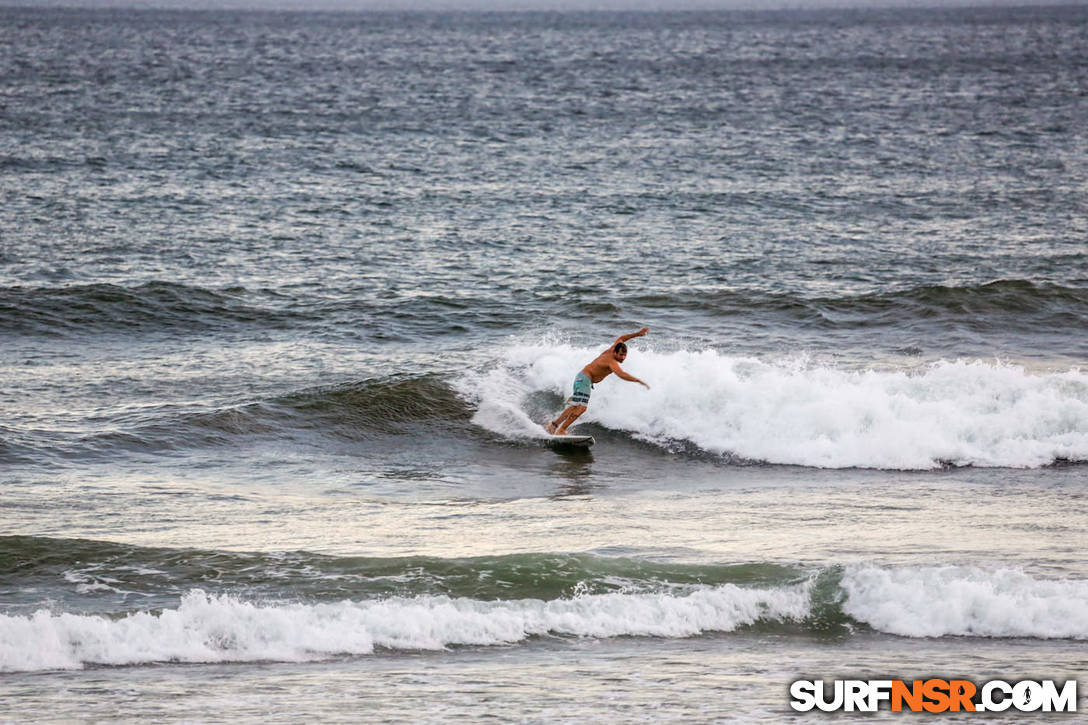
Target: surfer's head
x,y
619,351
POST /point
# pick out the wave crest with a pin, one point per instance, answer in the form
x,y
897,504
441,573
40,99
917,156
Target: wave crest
x,y
963,413
206,627
966,601
210,628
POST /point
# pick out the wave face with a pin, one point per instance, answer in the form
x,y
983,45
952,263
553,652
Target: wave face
x,y
963,413
936,314
400,405
230,607
1002,302
151,306
162,306
782,412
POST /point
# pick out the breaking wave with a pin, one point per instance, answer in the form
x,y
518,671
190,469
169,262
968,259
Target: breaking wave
x,y
205,626
796,412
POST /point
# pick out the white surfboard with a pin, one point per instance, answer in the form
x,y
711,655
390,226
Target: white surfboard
x,y
568,440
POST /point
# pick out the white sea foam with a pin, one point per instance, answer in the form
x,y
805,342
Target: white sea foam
x,y
794,412
908,601
966,601
208,628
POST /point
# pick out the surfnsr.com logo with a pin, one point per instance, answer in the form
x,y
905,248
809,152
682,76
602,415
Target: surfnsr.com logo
x,y
934,695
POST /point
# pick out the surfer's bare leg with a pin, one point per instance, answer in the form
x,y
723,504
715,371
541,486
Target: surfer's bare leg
x,y
553,427
568,417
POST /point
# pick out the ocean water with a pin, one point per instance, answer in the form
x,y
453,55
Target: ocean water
x,y
284,298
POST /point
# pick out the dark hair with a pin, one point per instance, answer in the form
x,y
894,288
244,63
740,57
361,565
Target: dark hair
x,y
620,347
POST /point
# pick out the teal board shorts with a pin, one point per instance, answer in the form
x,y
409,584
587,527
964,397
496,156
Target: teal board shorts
x,y
583,386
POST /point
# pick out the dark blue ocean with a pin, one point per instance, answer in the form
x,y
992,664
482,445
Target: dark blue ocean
x,y
284,298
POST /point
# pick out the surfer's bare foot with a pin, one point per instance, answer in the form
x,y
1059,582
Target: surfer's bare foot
x,y
550,427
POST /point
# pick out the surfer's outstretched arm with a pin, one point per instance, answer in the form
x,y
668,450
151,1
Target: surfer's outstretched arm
x,y
625,338
627,376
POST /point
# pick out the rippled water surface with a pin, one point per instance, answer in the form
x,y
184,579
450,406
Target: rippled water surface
x,y
284,298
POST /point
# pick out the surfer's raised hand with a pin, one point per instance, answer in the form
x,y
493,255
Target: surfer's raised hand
x,y
625,338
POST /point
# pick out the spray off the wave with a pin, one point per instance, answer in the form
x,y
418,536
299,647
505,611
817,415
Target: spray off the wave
x,y
963,413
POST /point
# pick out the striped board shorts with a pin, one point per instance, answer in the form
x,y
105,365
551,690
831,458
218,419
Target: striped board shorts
x,y
583,386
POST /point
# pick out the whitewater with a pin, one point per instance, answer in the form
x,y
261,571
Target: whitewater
x,y
797,411
208,628
285,298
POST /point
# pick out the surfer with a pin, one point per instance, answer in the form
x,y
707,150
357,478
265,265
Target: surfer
x,y
606,363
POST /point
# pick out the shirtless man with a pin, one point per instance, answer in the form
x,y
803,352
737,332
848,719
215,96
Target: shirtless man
x,y
606,363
